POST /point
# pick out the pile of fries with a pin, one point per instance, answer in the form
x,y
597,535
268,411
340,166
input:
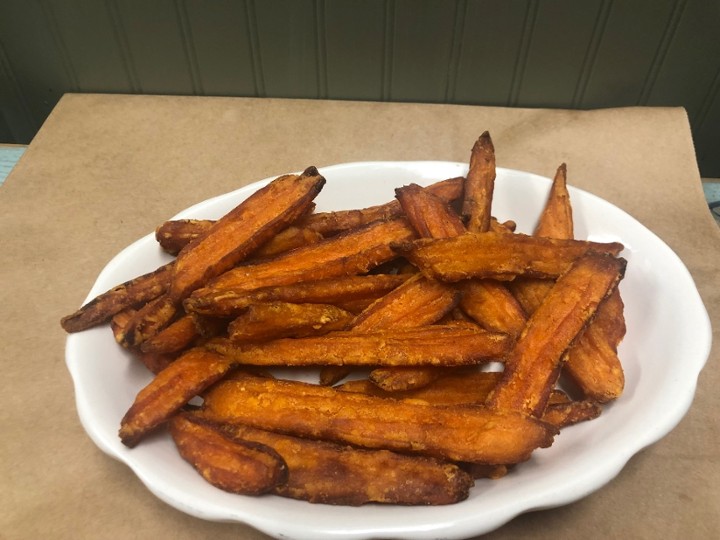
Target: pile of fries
x,y
402,307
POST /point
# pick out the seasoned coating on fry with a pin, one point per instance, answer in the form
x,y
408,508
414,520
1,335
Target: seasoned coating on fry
x,y
271,320
462,387
147,322
351,253
492,306
466,433
417,302
171,389
429,215
479,185
498,256
533,366
399,378
132,293
431,345
175,337
330,473
243,230
173,235
236,466
592,361
328,223
337,291
556,220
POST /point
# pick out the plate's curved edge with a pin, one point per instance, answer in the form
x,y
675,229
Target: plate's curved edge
x,y
503,517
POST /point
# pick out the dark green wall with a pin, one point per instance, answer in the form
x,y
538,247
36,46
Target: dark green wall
x,y
529,53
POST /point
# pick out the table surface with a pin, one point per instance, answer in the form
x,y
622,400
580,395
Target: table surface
x,y
104,170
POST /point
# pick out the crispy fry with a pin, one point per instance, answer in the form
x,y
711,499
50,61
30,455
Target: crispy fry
x,y
173,338
328,223
432,345
285,240
417,302
243,230
338,291
237,466
175,234
460,387
492,306
592,362
399,378
172,388
351,253
270,320
472,434
132,293
556,220
533,366
147,322
498,256
156,362
479,185
428,214
329,473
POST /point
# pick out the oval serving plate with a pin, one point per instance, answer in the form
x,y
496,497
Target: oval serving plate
x,y
665,316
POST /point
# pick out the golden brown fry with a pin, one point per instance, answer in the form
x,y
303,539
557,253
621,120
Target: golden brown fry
x,y
285,240
147,322
175,234
328,223
479,185
338,291
237,466
431,345
534,364
329,473
462,387
172,388
351,253
132,293
556,220
472,434
175,337
119,323
429,215
271,320
498,256
243,230
592,362
417,302
399,378
567,414
156,362
492,306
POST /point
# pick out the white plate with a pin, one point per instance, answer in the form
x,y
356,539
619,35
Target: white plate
x,y
666,346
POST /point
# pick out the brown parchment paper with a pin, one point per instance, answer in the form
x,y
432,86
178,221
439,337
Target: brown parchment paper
x,y
105,170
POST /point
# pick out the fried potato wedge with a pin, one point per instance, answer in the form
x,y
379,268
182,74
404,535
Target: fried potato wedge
x,y
337,291
329,223
175,337
431,345
132,293
492,306
237,466
271,320
351,253
498,256
429,215
462,387
556,220
170,390
479,185
533,366
243,230
471,434
330,473
173,235
147,321
592,361
417,302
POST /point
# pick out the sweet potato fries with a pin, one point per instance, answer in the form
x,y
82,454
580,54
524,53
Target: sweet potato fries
x,y
456,331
